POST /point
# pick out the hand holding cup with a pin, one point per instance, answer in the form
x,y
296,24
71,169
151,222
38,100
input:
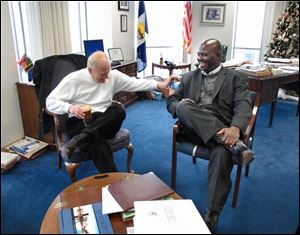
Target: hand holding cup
x,y
87,110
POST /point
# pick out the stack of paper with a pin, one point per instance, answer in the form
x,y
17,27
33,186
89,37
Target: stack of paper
x,y
236,63
255,70
8,160
168,217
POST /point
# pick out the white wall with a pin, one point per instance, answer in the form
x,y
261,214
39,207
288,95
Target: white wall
x,y
124,40
11,122
202,31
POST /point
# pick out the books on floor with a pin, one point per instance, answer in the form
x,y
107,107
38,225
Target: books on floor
x,y
8,160
28,147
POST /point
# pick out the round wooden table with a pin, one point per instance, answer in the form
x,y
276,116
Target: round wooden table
x,y
83,192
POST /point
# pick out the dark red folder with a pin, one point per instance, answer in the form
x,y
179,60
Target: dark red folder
x,y
138,188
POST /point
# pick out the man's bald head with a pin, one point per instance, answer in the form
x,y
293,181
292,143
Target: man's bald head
x,y
214,44
209,54
99,66
98,58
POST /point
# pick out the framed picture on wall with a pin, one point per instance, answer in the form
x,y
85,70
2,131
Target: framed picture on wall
x,y
123,23
213,14
123,5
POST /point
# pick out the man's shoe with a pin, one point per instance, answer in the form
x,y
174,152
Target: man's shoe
x,y
242,150
68,148
211,220
248,156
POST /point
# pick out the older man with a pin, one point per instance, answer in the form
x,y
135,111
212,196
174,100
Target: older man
x,y
95,86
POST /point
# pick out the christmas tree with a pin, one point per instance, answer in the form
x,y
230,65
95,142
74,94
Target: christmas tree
x,y
285,42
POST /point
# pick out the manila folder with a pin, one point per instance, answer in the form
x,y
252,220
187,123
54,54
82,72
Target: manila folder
x,y
139,188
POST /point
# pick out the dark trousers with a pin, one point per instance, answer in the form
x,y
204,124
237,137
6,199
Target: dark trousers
x,y
199,127
94,145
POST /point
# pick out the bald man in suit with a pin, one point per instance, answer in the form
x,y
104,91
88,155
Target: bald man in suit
x,y
213,105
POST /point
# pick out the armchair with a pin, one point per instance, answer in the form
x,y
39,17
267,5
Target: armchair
x,y
119,141
184,146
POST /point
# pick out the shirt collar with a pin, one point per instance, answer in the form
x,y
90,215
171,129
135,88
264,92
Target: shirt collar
x,y
212,72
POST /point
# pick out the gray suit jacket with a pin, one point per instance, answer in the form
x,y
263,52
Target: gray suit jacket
x,y
231,96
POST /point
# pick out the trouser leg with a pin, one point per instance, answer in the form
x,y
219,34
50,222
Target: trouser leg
x,y
200,127
204,124
106,124
93,138
219,180
101,154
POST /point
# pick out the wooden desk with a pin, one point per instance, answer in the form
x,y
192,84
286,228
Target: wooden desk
x,y
83,192
171,68
268,86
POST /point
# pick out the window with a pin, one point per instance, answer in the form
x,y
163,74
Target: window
x,y
19,32
165,33
88,20
248,30
92,18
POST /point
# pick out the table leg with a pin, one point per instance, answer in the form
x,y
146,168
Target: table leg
x,y
273,106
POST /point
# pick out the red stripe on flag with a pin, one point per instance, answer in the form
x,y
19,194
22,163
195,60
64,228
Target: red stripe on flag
x,y
187,27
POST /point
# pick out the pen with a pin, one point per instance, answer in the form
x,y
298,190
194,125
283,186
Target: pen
x,y
100,176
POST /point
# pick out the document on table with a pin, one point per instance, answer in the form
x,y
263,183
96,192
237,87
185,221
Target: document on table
x,y
109,204
168,217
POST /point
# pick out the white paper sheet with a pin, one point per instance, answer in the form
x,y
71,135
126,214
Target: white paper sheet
x,y
168,217
109,204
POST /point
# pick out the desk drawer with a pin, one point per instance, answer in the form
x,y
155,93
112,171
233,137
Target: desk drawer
x,y
127,98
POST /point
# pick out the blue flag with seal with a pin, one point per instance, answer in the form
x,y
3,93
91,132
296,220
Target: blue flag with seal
x,y
141,37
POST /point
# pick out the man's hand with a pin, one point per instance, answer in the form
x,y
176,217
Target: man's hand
x,y
230,135
162,85
76,110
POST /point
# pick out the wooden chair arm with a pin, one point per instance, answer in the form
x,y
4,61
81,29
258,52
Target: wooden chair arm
x,y
177,128
250,128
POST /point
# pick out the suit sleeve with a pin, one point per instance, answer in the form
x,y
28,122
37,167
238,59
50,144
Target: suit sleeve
x,y
242,104
175,98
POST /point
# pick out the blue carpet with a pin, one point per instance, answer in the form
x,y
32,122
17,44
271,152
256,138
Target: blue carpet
x,y
268,199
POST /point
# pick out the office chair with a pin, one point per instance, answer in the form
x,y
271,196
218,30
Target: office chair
x,y
184,146
224,53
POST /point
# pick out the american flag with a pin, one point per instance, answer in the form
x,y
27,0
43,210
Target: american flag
x,y
187,27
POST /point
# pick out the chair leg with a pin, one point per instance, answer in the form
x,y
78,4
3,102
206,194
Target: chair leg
x,y
174,166
59,157
247,170
129,157
236,186
71,169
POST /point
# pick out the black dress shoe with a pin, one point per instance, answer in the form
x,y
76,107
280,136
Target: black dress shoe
x,y
211,220
243,151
